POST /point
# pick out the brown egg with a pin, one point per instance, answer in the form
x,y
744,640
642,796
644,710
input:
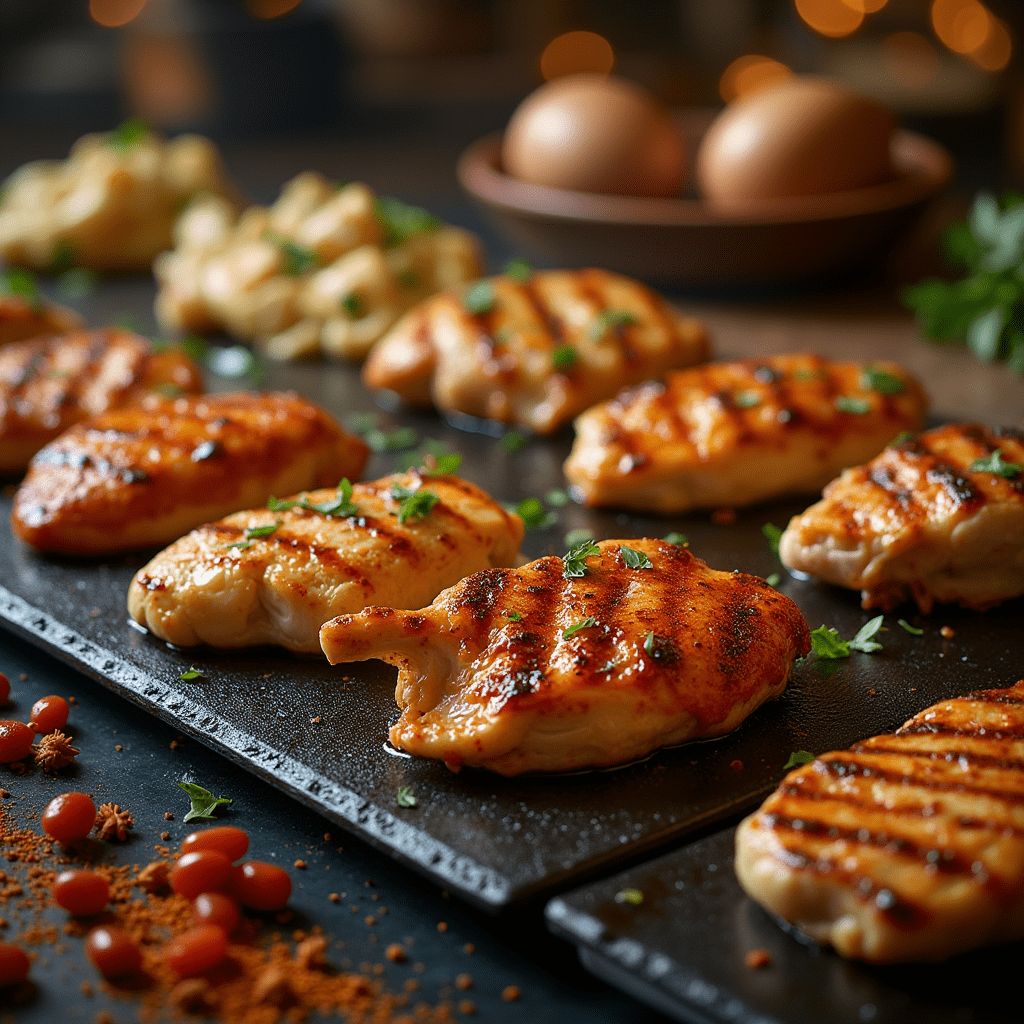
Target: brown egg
x,y
802,137
592,133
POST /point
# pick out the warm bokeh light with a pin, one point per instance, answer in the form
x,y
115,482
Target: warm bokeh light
x,y
910,59
749,73
114,13
269,9
994,53
576,53
962,25
832,18
866,6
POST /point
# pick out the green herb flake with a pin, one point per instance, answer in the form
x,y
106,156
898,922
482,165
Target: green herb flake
x,y
995,464
634,897
191,673
414,503
773,580
400,221
354,306
513,441
827,643
534,515
341,505
398,440
576,537
773,534
747,400
806,375
297,260
851,404
405,797
901,437
242,545
168,391
62,260
798,758
913,630
565,357
441,465
204,803
574,562
864,640
649,642
195,347
129,134
884,383
635,559
680,540
519,269
21,283
279,504
479,298
587,623
557,498
513,616
611,320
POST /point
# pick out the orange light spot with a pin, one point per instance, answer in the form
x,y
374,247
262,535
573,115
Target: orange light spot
x,y
994,54
866,6
962,25
910,58
577,53
267,10
750,73
114,13
832,18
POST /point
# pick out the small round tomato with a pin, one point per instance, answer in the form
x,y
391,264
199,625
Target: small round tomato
x,y
112,952
5,692
49,713
260,886
68,817
14,964
226,839
196,951
200,871
81,892
216,908
15,741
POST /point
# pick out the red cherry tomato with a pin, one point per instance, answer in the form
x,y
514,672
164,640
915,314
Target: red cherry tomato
x,y
14,964
5,695
260,886
49,713
200,871
112,952
81,892
226,839
216,908
196,951
68,817
16,740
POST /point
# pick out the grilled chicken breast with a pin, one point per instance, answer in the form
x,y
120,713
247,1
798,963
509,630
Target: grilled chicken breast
x,y
904,847
533,352
274,577
936,517
525,669
50,383
132,478
22,318
730,434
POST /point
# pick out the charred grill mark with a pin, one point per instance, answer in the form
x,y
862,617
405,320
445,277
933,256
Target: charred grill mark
x,y
32,369
737,634
947,729
966,758
481,592
544,313
956,485
882,476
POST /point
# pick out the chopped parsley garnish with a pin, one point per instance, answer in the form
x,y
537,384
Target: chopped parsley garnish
x,y
191,673
574,538
995,464
534,515
21,283
773,534
129,134
514,616
405,797
401,221
441,465
634,897
194,347
903,435
635,559
773,580
341,505
513,441
557,498
571,631
574,562
479,298
913,630
255,531
354,306
296,260
415,503
649,642
519,269
746,400
850,404
397,441
797,758
609,320
204,803
880,381
680,540
827,643
864,640
564,357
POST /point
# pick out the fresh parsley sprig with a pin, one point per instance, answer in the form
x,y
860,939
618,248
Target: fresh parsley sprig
x,y
534,515
610,320
204,803
994,464
414,502
798,758
340,505
574,562
878,380
635,559
400,221
570,631
827,643
255,531
479,298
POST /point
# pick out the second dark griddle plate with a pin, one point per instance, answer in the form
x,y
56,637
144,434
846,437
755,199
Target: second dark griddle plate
x,y
683,949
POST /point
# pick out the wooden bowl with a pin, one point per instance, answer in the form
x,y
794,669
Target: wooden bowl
x,y
685,242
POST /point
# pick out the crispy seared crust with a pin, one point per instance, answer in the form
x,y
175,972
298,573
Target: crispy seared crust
x,y
487,677
499,364
50,383
730,434
904,847
138,477
219,585
917,523
21,319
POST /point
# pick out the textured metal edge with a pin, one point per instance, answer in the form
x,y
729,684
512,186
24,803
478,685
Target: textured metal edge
x,y
400,840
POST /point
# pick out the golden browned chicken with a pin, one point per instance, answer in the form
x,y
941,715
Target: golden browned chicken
x,y
904,847
730,434
275,576
936,517
22,318
132,478
598,658
534,352
50,383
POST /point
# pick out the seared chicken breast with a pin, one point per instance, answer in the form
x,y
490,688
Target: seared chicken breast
x,y
595,659
22,318
936,517
138,477
534,352
904,847
729,434
50,383
275,576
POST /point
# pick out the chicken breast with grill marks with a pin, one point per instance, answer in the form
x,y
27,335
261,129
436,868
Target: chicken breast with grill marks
x,y
50,383
527,669
904,847
22,318
936,517
138,477
730,434
534,352
274,577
